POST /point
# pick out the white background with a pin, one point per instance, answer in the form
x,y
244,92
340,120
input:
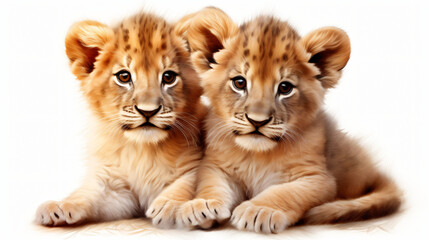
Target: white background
x,y
382,98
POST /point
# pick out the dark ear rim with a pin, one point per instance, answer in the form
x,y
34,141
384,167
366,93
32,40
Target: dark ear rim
x,y
83,43
329,50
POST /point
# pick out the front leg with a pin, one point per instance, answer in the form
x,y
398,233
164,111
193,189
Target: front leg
x,y
163,210
104,196
216,196
280,206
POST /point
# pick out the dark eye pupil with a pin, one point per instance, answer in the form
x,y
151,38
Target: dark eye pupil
x,y
240,83
123,76
168,77
285,87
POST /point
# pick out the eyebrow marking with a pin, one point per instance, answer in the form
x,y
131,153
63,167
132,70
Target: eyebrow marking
x,y
246,67
163,61
128,60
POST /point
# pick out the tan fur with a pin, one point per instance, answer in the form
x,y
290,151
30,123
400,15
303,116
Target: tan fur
x,y
299,166
133,169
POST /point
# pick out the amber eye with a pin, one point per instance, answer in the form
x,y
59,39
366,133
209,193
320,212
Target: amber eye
x,y
169,77
123,76
239,82
285,88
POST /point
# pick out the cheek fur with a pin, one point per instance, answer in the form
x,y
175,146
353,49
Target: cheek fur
x,y
173,96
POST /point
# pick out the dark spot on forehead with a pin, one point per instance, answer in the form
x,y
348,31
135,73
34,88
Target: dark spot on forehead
x,y
276,31
246,41
126,33
247,65
243,26
266,29
127,47
246,52
164,46
285,57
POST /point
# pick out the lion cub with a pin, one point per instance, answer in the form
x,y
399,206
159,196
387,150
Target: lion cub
x,y
273,155
144,95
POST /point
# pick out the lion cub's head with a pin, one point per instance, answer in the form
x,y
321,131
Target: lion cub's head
x,y
137,76
265,82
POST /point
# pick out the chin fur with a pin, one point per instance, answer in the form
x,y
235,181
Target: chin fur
x,y
146,135
255,143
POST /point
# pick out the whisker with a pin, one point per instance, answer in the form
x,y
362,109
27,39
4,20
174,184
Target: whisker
x,y
178,126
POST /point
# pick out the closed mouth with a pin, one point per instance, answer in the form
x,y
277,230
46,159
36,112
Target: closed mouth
x,y
256,133
147,124
143,125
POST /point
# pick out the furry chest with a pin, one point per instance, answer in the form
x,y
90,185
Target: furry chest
x,y
255,175
147,173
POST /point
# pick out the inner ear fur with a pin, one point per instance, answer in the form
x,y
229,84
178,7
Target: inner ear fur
x,y
329,48
84,41
207,32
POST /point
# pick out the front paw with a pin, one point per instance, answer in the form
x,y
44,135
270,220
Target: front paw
x,y
203,213
163,212
250,217
53,213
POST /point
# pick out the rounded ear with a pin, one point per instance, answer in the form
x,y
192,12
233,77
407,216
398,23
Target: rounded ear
x,y
329,48
84,41
207,32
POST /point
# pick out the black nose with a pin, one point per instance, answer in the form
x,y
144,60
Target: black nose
x,y
258,124
148,114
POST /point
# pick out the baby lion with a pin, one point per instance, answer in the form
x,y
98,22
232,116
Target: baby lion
x,y
273,155
144,148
